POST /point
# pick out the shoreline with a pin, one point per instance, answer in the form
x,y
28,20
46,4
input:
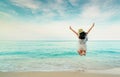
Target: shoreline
x,y
89,73
115,71
55,74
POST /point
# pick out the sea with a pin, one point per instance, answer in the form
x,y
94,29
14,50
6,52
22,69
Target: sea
x,y
58,55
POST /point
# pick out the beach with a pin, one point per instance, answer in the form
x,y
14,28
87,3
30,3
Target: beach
x,y
46,38
54,74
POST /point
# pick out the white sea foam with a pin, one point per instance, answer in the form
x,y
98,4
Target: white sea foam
x,y
108,71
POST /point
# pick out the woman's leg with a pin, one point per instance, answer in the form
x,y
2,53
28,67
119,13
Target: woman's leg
x,y
84,52
80,52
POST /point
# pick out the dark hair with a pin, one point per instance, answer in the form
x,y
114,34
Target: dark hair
x,y
82,35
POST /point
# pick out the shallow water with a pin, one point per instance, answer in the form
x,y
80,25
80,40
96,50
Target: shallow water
x,y
58,56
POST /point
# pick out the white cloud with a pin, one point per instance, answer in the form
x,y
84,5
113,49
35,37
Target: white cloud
x,y
7,17
74,2
59,7
5,14
97,10
49,9
105,33
31,4
90,12
94,12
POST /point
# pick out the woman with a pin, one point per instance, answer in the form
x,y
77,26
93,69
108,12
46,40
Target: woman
x,y
82,36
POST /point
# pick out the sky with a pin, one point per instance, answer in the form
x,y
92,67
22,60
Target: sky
x,y
50,19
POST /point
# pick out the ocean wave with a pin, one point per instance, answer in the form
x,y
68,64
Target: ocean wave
x,y
40,54
56,53
106,51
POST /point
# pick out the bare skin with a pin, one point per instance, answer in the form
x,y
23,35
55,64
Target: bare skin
x,y
80,51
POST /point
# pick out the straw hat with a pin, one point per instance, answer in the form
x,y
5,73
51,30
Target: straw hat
x,y
80,30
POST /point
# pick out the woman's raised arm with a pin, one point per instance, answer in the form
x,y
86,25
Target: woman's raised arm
x,y
91,28
73,30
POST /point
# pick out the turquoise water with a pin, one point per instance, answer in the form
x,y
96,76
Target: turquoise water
x,y
58,56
